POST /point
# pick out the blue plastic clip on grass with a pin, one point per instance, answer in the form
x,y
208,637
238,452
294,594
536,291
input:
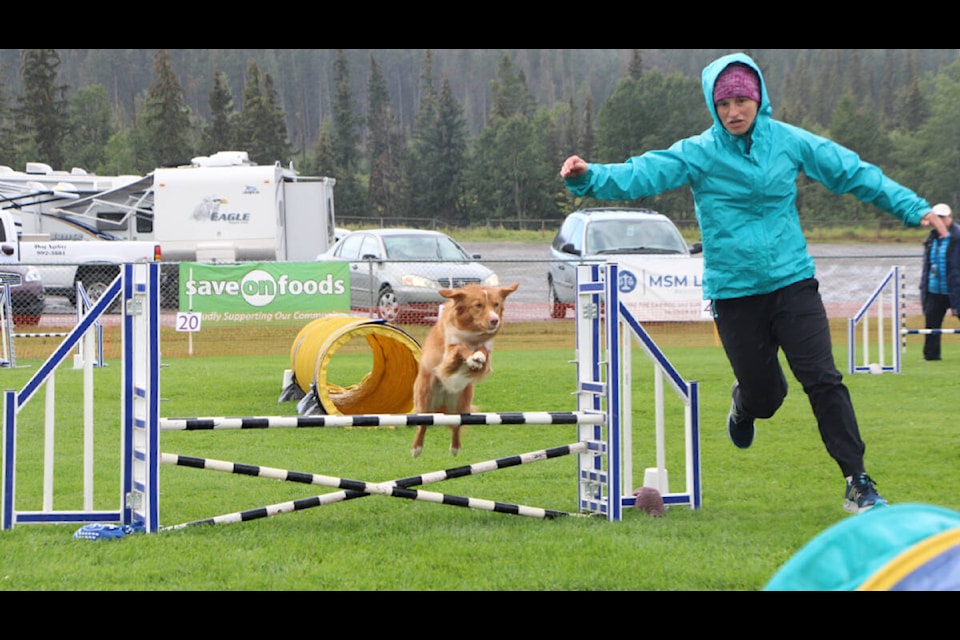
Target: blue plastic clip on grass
x,y
98,531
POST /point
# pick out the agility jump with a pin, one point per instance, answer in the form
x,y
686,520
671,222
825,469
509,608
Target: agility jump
x,y
602,472
886,304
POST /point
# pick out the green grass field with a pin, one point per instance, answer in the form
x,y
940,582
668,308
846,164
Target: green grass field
x,y
760,506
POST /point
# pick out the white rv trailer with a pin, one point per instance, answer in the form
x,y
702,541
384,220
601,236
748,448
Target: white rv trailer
x,y
220,208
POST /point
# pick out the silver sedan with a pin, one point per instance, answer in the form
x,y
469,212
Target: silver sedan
x,y
397,274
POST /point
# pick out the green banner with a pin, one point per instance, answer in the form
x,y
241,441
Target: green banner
x,y
265,286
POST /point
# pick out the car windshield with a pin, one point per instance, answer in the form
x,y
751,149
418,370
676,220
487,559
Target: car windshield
x,y
423,248
633,236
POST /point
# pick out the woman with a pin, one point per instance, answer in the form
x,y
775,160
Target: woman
x,y
756,268
940,279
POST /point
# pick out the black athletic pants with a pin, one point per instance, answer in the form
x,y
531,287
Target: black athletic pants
x,y
935,307
754,329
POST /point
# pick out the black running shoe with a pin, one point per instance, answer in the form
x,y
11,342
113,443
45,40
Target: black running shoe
x,y
739,425
861,496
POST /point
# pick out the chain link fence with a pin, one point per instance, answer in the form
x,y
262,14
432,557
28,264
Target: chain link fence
x,y
847,280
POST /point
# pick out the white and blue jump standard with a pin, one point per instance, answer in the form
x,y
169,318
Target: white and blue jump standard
x,y
886,301
138,287
604,446
604,383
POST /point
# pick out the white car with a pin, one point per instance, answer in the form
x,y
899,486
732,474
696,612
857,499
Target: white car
x,y
603,234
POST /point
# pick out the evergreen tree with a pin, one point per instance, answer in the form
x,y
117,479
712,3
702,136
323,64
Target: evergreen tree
x,y
42,113
827,86
127,150
888,85
635,70
167,117
345,120
323,152
416,191
512,174
508,91
857,82
220,133
384,145
621,123
797,94
262,130
276,144
121,154
426,112
91,126
351,197
913,109
857,128
587,132
441,158
249,135
7,126
571,135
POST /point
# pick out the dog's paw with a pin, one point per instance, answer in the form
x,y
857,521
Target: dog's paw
x,y
477,360
454,451
416,451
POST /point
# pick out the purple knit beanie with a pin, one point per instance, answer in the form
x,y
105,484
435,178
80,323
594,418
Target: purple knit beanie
x,y
737,80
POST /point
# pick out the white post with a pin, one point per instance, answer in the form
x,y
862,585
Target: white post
x,y
881,338
866,339
48,431
6,327
626,395
88,420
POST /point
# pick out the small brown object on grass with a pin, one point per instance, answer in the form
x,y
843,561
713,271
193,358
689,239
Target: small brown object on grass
x,y
649,501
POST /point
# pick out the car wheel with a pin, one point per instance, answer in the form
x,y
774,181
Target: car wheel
x,y
99,287
558,309
387,306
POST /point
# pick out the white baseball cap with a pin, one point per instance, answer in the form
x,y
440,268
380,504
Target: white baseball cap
x,y
942,210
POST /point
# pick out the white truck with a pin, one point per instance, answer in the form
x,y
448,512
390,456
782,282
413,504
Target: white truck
x,y
220,208
63,263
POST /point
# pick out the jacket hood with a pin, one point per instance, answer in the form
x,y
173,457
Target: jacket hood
x,y
709,78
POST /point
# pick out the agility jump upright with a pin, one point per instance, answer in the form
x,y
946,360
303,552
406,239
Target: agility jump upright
x,y
605,333
139,288
888,295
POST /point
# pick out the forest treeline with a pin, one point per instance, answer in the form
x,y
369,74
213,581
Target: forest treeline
x,y
464,137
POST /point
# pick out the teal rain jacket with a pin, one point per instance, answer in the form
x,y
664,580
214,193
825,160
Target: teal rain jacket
x,y
745,192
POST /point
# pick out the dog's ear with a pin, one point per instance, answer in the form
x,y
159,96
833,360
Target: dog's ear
x,y
505,291
447,293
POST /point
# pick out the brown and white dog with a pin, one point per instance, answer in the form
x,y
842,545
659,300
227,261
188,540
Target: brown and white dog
x,y
456,354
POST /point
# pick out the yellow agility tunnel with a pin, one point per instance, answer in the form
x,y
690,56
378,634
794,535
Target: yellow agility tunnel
x,y
387,388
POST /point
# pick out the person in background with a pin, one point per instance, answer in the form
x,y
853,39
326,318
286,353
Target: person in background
x,y
940,280
757,271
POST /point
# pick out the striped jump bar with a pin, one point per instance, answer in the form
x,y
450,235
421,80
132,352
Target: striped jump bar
x,y
381,420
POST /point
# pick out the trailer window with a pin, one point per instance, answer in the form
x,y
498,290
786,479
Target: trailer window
x,y
111,221
144,224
